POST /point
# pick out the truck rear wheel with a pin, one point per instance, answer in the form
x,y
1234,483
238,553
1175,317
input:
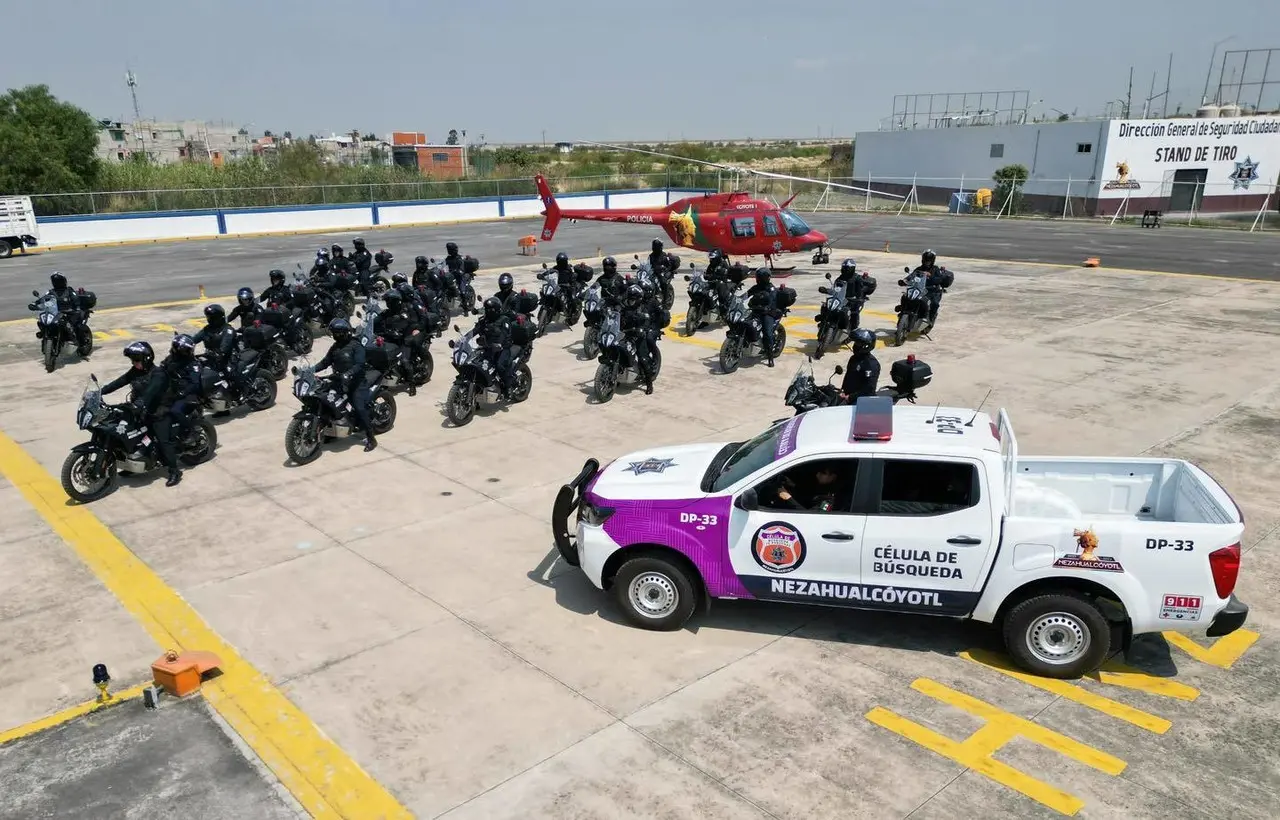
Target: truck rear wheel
x,y
1058,635
655,593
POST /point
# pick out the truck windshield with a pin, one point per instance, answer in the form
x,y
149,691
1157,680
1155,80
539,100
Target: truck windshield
x,y
748,458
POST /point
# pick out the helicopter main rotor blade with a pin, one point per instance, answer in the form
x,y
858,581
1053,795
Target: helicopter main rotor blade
x,y
739,170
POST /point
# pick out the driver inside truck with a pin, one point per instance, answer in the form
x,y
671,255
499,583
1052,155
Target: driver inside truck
x,y
817,488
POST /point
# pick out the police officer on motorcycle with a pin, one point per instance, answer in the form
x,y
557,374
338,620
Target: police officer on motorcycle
x,y
506,294
346,356
862,374
68,305
937,280
397,326
247,309
494,332
858,286
219,340
147,387
657,257
762,298
635,320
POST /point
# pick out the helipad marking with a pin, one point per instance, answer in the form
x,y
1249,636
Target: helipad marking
x,y
323,778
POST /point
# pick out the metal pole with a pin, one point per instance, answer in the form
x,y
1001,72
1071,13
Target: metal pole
x,y
867,206
1266,67
1066,200
961,200
1261,217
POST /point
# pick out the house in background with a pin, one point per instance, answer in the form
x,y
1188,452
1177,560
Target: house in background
x,y
410,149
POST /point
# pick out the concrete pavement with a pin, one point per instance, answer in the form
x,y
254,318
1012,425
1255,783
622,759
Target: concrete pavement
x,y
166,271
410,602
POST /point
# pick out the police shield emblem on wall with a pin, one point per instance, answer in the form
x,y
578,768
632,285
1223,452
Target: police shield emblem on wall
x,y
1244,173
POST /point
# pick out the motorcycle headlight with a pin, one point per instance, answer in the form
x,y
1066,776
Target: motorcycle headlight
x,y
735,317
84,419
608,340
459,357
301,389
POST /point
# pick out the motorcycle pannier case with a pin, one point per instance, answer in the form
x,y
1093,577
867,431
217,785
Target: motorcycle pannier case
x,y
259,338
526,302
521,332
946,278
584,272
910,374
470,264
88,299
377,357
275,318
738,273
786,297
869,286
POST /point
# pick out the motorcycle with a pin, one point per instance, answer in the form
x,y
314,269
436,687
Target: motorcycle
x,y
320,304
840,315
592,306
460,295
121,444
379,276
661,277
912,309
53,328
702,300
217,395
805,394
327,414
745,334
552,302
384,356
263,344
477,381
619,358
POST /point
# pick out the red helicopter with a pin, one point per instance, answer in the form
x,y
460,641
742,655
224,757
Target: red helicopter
x,y
735,223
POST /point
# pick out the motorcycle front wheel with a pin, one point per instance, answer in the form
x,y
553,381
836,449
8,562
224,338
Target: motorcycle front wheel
x,y
544,320
79,481
461,403
606,382
693,320
302,440
86,347
900,333
730,354
49,348
590,347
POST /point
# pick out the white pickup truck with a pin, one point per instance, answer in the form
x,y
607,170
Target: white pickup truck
x,y
18,227
914,509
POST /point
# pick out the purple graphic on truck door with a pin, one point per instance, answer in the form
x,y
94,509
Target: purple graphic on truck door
x,y
696,527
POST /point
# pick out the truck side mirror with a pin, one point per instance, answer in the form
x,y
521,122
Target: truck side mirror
x,y
749,500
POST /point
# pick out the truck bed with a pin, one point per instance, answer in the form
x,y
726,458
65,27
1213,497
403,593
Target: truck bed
x,y
1146,489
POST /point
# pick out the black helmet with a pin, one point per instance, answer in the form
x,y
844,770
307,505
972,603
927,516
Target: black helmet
x,y
405,288
399,278
393,299
848,266
420,262
245,297
215,315
505,282
276,276
183,347
340,330
763,276
358,242
634,295
492,308
562,260
657,246
609,264
140,353
451,248
928,258
716,255
58,281
864,341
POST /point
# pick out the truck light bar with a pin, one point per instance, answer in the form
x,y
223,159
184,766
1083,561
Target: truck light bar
x,y
872,419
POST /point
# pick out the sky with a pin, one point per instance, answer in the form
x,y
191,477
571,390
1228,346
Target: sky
x,y
568,70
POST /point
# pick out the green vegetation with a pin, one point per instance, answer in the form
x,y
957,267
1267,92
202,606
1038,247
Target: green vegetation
x,y
1009,181
47,149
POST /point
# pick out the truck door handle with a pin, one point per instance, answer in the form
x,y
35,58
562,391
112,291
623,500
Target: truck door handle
x,y
837,536
964,539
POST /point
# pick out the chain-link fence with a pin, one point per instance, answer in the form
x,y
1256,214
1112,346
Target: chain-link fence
x,y
187,199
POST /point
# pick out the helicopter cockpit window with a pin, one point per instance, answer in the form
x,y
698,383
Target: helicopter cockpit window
x,y
744,226
770,225
795,225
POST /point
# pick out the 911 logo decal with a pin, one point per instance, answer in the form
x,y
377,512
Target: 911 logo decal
x,y
1180,607
778,547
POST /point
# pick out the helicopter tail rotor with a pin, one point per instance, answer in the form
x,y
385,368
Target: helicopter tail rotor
x,y
552,211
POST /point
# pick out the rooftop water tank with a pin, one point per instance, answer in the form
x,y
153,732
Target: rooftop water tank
x,y
1208,111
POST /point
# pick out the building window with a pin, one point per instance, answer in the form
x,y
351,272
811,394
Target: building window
x,y
1084,147
997,150
117,134
120,155
441,157
155,135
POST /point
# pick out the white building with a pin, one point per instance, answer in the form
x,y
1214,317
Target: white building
x,y
1208,162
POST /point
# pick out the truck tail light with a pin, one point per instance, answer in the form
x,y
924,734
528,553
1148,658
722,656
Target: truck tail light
x,y
1225,566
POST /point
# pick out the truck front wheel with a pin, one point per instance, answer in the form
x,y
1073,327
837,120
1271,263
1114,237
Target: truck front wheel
x,y
654,593
1058,635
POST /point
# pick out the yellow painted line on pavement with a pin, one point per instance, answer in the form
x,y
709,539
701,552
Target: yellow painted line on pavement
x,y
1223,653
1114,673
1072,692
323,778
59,718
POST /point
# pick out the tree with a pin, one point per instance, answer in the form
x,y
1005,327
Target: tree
x,y
267,134
288,135
370,137
453,137
46,145
1009,181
